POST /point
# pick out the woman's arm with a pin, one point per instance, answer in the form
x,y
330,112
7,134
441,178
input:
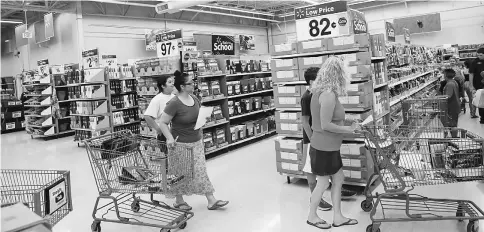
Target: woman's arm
x,y
328,104
152,123
165,121
306,126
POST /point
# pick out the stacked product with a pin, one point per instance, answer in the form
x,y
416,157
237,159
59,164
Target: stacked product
x,y
12,114
469,51
245,65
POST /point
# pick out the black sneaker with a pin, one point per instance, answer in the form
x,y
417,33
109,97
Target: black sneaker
x,y
325,206
346,193
474,116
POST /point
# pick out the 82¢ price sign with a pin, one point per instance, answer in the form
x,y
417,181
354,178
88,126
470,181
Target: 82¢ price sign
x,y
322,21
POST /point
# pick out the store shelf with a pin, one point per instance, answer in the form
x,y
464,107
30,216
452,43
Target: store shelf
x,y
68,100
37,84
213,99
60,133
468,50
392,103
291,83
90,115
289,109
90,99
380,85
127,123
38,106
38,95
382,115
79,84
98,129
246,74
211,75
123,93
241,141
125,108
408,79
214,125
378,58
251,113
463,58
40,126
37,115
122,79
320,53
250,94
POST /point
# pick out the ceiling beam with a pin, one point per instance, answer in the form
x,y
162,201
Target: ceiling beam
x,y
228,14
8,13
34,8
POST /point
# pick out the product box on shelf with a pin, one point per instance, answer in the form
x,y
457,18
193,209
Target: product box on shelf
x,y
257,103
362,101
283,49
268,102
355,59
349,42
308,62
215,86
293,145
289,128
358,89
220,138
359,73
289,168
350,118
284,64
288,102
377,43
285,76
208,141
234,134
289,117
94,75
313,46
250,129
351,175
289,91
218,115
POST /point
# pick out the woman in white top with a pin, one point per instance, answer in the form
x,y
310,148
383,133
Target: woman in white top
x,y
157,105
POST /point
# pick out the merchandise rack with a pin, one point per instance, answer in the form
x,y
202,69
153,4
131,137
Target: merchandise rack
x,y
45,117
12,118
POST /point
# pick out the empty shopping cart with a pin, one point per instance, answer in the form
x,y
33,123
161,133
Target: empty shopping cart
x,y
124,165
418,156
45,192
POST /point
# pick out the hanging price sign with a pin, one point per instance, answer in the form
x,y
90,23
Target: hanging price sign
x,y
109,60
322,21
43,67
406,35
169,43
189,46
390,31
90,58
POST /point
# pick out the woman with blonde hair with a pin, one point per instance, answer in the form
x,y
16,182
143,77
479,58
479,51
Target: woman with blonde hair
x,y
328,117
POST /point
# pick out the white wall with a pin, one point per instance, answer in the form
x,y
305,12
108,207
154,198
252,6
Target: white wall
x,y
61,49
462,22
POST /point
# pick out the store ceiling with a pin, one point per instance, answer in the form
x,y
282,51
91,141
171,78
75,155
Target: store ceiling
x,y
272,11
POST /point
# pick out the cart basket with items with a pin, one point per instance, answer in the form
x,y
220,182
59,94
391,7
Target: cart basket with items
x,y
125,165
419,156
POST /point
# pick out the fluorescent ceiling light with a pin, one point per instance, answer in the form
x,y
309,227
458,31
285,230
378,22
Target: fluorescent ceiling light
x,y
237,10
312,2
11,21
227,14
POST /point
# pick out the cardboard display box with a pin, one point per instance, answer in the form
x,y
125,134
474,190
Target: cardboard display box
x,y
313,46
289,117
284,64
285,76
288,102
349,42
283,49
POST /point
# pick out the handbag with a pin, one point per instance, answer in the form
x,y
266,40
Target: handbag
x,y
478,100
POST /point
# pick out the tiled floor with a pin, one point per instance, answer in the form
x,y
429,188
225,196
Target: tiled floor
x,y
260,198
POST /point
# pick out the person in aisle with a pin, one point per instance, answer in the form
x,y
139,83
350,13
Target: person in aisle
x,y
476,76
468,88
182,112
157,105
451,89
328,128
310,75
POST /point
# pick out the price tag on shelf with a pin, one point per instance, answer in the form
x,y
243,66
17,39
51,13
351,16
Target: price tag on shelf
x,y
10,126
322,21
17,114
169,43
90,58
109,60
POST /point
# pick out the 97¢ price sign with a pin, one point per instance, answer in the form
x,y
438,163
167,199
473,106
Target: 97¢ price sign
x,y
322,21
169,43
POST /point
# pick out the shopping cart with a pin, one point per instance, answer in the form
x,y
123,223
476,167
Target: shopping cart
x,y
419,156
47,193
422,112
124,165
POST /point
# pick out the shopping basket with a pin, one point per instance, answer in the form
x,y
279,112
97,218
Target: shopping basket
x,y
418,156
45,192
124,165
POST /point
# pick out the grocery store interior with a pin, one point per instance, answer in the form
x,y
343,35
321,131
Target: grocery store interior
x,y
84,100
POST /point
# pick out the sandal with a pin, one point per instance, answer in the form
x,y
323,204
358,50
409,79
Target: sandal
x,y
218,204
182,206
350,222
317,225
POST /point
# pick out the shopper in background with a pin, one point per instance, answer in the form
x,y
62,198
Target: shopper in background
x,y
328,128
182,112
476,76
157,105
310,76
468,88
451,89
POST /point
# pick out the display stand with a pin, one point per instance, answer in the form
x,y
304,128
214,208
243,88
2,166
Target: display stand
x,y
13,118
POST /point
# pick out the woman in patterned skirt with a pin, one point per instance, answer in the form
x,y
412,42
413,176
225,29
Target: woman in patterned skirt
x,y
182,112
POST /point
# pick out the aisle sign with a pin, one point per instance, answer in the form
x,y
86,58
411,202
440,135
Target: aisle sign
x,y
390,31
223,45
322,21
55,196
169,43
359,23
43,67
406,35
90,58
109,60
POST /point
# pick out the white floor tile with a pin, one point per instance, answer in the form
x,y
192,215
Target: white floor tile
x,y
260,199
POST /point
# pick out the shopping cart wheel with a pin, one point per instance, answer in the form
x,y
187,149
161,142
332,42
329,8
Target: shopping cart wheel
x,y
96,226
460,213
370,228
473,226
366,205
165,230
135,206
183,225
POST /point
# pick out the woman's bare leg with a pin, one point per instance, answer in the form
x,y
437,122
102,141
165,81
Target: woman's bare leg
x,y
337,182
321,186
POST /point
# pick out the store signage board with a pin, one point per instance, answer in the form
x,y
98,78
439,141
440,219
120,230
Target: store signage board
x,y
223,45
27,35
189,46
390,32
55,196
360,26
49,25
109,61
43,67
169,43
90,58
322,21
406,35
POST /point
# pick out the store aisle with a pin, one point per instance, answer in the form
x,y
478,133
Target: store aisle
x,y
261,200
